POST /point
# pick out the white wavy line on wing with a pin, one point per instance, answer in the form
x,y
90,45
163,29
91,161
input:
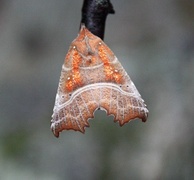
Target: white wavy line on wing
x,y
96,86
89,67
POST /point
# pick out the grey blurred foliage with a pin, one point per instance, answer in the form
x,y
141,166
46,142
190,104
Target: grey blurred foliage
x,y
153,39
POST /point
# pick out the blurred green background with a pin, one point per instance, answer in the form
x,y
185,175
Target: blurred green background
x,y
154,41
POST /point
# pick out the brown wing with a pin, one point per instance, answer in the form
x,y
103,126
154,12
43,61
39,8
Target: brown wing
x,y
93,78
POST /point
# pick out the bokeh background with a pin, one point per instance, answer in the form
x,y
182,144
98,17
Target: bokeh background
x,y
154,41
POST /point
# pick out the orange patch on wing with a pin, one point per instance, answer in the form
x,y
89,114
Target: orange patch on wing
x,y
69,84
111,73
74,79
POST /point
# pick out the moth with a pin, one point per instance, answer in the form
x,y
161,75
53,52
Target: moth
x,y
92,78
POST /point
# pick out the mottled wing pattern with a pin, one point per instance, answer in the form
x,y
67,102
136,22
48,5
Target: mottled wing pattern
x,y
92,78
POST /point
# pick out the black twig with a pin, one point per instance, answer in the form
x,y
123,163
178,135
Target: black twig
x,y
94,13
